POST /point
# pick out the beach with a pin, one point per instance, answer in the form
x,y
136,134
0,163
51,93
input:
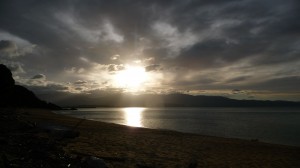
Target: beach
x,y
71,142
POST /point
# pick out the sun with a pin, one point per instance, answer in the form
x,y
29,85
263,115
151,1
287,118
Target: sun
x,y
131,78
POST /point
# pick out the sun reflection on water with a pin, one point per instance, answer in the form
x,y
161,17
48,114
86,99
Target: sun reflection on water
x,y
133,116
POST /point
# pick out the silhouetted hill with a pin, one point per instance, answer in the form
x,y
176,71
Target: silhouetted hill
x,y
12,95
168,100
219,101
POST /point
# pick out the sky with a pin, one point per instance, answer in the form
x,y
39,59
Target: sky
x,y
242,49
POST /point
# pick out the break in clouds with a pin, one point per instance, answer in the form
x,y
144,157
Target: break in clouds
x,y
239,49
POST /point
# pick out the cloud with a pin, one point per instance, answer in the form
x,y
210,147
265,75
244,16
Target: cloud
x,y
114,67
75,70
238,79
172,39
38,80
73,26
50,92
80,82
5,36
15,67
201,45
283,84
103,32
110,33
58,87
12,46
8,48
153,67
7,45
39,77
115,57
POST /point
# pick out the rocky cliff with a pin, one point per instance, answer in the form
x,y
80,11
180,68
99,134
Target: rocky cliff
x,y
12,95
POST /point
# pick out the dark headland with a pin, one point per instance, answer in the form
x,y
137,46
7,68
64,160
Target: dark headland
x,y
12,95
33,136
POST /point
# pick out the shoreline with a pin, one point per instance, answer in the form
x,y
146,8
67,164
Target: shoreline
x,y
191,133
124,146
239,130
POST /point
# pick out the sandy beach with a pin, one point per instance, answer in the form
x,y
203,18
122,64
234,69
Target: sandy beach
x,y
122,146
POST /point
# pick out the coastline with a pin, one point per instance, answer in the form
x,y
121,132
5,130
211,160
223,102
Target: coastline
x,y
270,125
123,146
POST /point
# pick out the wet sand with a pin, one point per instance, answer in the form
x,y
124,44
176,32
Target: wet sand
x,y
122,146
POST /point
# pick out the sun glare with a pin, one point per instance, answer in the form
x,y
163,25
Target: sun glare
x,y
131,78
133,116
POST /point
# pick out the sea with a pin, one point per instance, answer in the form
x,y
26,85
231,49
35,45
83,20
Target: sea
x,y
271,125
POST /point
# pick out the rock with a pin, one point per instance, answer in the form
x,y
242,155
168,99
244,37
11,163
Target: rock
x,y
94,162
4,161
5,78
193,163
19,96
61,134
12,95
59,131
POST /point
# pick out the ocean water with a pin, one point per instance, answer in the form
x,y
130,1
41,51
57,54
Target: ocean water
x,y
272,125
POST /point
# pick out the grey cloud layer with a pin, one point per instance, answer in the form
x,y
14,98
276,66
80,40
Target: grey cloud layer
x,y
191,40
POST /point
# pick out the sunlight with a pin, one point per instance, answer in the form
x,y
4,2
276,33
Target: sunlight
x,y
132,78
133,116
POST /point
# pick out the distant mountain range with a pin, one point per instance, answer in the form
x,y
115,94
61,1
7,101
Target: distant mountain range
x,y
12,95
177,100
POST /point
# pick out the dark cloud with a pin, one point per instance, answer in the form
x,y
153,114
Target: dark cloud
x,y
238,79
283,84
39,77
80,82
238,91
15,67
8,48
7,45
114,67
240,29
51,92
154,67
58,87
200,39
